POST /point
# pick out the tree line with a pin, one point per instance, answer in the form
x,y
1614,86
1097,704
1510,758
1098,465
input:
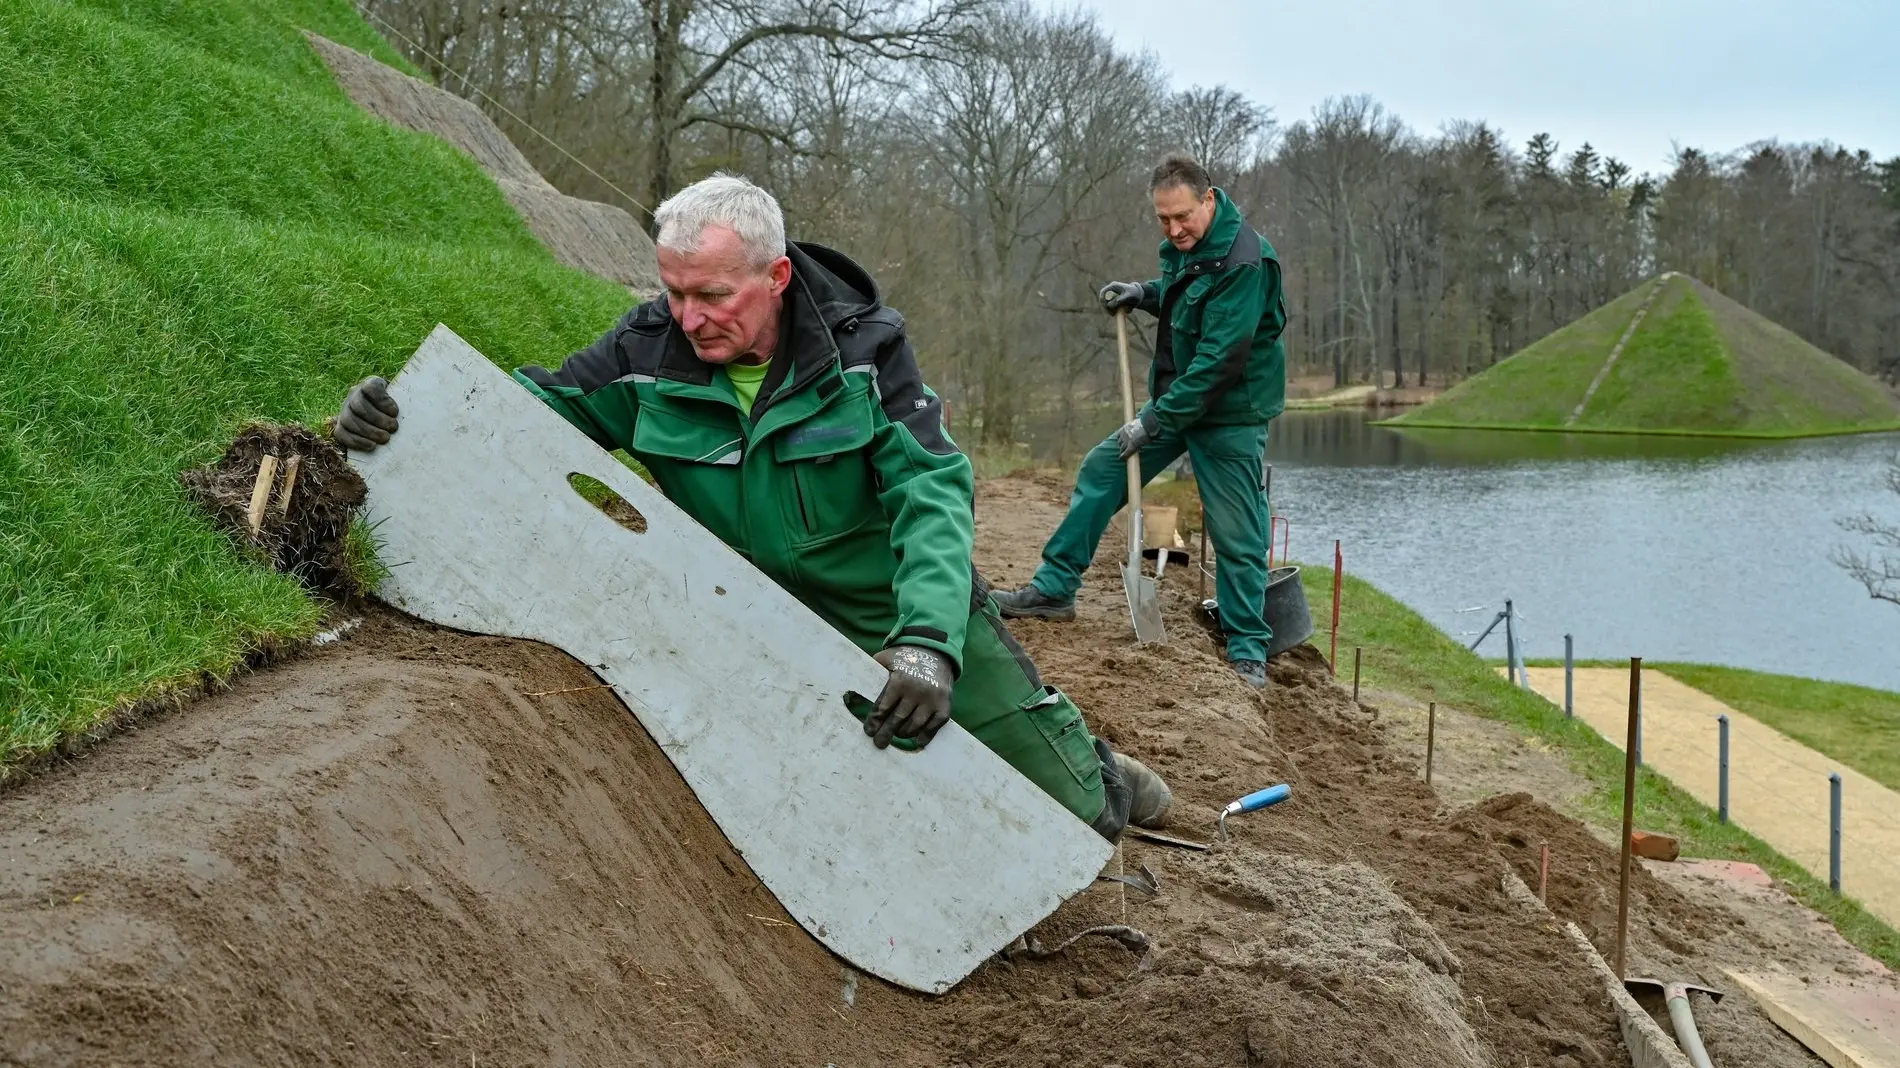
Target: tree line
x,y
987,161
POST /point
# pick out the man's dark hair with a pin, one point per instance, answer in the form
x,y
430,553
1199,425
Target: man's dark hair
x,y
1180,170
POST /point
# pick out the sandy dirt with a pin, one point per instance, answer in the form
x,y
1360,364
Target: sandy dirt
x,y
408,848
390,852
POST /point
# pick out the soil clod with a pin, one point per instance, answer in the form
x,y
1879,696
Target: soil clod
x,y
310,500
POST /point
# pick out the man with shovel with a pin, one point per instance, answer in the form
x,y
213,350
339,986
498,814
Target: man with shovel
x,y
774,398
1218,378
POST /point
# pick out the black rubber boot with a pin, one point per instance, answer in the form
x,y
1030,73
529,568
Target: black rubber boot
x,y
1030,602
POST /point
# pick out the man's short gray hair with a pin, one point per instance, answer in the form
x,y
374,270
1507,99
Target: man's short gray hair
x,y
723,200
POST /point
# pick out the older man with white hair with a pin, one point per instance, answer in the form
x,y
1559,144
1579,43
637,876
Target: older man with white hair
x,y
775,398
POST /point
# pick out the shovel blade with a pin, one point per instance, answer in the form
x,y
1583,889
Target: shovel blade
x,y
1144,606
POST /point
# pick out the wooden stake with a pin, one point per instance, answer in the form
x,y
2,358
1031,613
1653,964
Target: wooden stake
x,y
1629,814
260,492
1543,874
1431,738
1339,565
1355,674
291,467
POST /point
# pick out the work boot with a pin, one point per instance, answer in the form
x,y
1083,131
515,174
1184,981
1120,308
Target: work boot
x,y
1116,794
1149,797
1030,602
1252,672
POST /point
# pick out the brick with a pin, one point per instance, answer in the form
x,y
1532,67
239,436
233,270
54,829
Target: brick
x,y
1651,846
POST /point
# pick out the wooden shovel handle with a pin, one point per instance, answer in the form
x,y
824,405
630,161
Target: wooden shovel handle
x,y
1134,462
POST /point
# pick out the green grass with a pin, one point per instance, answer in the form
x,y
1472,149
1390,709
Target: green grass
x,y
1789,382
1856,725
101,110
1675,372
264,35
1539,385
1698,364
196,231
1403,652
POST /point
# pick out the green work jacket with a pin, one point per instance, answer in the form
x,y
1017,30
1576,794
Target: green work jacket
x,y
1218,355
840,483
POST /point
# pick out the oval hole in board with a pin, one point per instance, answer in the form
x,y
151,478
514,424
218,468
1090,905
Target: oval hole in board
x,y
611,504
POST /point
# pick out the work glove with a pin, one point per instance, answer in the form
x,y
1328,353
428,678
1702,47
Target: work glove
x,y
368,416
1119,295
916,698
1135,433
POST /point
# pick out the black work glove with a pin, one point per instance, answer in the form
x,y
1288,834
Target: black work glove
x,y
1136,432
915,702
368,416
1118,295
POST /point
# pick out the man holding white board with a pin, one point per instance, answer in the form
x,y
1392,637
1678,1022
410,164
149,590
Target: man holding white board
x,y
775,399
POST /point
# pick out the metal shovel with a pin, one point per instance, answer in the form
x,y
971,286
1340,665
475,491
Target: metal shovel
x,y
1144,600
1677,995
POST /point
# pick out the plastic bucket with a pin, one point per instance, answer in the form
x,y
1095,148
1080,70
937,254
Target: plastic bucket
x,y
1286,611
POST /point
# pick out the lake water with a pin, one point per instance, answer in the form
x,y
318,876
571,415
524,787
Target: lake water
x,y
1664,548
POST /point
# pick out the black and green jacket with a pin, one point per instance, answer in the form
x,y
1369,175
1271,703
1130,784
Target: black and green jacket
x,y
1218,355
840,483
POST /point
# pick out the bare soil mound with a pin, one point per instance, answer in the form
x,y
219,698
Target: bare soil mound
x,y
414,846
400,849
1671,937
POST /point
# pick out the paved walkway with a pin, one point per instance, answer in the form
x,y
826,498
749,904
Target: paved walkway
x,y
1778,788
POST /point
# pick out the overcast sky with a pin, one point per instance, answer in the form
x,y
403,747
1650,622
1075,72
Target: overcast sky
x,y
1632,78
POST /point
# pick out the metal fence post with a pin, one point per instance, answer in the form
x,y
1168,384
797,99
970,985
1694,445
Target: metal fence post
x,y
1721,792
1510,644
1570,679
1834,831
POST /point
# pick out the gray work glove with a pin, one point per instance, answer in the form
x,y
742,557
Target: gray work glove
x,y
1136,432
1118,295
368,416
916,698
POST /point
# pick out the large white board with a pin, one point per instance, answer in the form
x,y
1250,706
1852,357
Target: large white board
x,y
912,866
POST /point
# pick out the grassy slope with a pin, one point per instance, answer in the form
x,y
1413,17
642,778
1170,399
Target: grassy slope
x,y
1540,384
1698,364
1856,725
1789,382
1674,372
188,243
1403,652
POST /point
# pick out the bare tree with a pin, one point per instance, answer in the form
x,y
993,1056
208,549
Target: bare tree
x,y
1219,127
986,159
1026,129
1876,567
691,44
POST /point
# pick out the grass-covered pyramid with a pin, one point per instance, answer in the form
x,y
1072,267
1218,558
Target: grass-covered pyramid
x,y
1695,363
198,229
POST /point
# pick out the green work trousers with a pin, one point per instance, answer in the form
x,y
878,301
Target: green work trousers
x,y
1001,700
1227,468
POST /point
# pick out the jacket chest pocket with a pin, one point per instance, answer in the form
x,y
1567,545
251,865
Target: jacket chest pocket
x,y
696,464
1185,320
826,462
